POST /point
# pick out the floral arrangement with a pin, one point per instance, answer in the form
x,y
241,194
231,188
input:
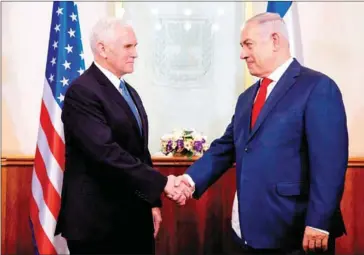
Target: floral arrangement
x,y
184,142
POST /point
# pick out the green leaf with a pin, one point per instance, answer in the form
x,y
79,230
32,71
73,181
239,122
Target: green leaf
x,y
189,154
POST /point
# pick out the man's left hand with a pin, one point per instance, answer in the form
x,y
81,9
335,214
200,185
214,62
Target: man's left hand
x,y
314,240
157,220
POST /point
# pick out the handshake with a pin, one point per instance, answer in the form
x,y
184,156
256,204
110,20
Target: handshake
x,y
178,189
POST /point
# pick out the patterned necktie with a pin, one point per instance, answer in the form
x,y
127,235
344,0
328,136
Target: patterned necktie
x,y
260,100
129,100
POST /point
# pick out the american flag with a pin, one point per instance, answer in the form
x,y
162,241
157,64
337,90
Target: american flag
x,y
64,63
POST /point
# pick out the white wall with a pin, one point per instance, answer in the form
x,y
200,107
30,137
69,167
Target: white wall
x,y
205,103
333,43
332,34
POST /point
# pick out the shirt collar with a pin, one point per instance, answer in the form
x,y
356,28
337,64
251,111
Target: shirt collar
x,y
112,77
277,74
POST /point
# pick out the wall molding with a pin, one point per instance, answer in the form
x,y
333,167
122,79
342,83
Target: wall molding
x,y
22,160
17,160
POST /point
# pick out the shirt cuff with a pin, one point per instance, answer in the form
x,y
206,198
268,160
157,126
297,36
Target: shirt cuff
x,y
323,231
190,181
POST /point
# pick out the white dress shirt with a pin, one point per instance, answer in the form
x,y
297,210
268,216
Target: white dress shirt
x,y
274,76
112,77
115,81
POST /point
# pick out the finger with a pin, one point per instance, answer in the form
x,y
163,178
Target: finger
x,y
182,180
156,230
169,195
311,245
305,243
189,191
177,191
325,243
318,244
186,182
155,233
181,200
177,194
186,192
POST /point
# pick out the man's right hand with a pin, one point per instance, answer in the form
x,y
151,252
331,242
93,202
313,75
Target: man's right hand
x,y
183,179
178,189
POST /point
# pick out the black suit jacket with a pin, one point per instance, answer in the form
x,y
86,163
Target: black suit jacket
x,y
109,185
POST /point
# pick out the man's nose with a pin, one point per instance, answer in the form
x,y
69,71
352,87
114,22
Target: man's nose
x,y
134,53
243,54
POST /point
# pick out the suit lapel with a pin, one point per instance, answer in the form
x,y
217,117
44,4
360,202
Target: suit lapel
x,y
287,80
248,110
115,95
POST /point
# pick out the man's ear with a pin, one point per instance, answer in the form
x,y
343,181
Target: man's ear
x,y
276,41
101,49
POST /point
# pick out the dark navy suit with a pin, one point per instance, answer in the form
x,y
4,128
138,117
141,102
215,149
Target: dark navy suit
x,y
290,168
109,184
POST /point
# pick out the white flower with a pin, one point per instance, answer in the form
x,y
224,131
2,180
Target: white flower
x,y
174,145
164,150
188,144
198,153
167,137
205,146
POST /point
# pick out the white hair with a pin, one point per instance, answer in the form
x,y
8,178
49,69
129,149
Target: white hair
x,y
105,31
273,21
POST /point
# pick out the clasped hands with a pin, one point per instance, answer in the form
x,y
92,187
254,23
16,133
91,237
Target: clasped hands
x,y
178,189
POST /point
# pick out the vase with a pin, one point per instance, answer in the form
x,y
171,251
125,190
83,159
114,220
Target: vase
x,y
178,154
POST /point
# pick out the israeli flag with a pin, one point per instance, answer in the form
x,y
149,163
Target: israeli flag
x,y
288,11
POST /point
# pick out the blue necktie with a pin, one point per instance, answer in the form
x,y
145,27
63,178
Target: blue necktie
x,y
127,97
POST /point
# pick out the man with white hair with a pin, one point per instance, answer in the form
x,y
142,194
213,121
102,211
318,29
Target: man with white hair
x,y
289,140
111,193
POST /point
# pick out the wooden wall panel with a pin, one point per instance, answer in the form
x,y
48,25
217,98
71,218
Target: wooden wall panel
x,y
201,227
16,179
353,210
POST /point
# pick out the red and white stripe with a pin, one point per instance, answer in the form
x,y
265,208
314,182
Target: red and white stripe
x,y
48,177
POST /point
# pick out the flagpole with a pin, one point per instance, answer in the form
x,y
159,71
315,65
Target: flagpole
x,y
118,9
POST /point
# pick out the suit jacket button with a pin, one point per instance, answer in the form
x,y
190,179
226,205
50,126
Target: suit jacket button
x,y
246,150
